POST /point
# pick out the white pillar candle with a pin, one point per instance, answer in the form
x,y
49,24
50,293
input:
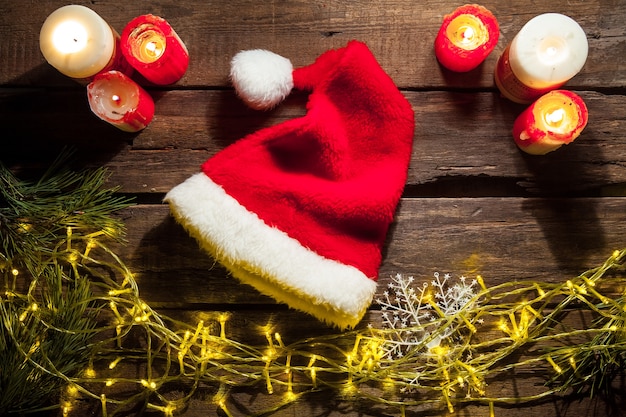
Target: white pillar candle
x,y
78,42
549,50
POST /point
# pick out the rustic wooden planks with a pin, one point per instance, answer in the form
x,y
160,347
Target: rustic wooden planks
x,y
473,203
461,138
399,32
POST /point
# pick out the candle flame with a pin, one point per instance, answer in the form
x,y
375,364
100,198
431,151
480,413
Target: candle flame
x,y
467,31
147,44
554,118
468,34
69,37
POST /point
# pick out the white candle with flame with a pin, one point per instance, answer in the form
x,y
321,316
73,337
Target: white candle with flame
x,y
549,50
77,41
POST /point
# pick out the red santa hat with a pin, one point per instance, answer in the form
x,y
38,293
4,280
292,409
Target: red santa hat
x,y
300,210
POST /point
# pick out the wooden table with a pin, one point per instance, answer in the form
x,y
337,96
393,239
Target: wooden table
x,y
473,203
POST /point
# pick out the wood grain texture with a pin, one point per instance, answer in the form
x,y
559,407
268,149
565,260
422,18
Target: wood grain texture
x,y
499,238
462,140
400,33
473,203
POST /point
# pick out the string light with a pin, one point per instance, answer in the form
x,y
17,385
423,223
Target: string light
x,y
353,362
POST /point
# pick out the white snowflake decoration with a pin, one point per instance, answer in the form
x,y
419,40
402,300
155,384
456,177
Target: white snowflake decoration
x,y
412,312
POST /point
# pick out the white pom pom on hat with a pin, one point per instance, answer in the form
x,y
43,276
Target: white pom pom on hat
x,y
261,78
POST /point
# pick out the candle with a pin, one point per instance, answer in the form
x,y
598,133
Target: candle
x,y
553,120
154,49
466,37
118,100
79,43
549,50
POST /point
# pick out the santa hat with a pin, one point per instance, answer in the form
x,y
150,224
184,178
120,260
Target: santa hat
x,y
300,210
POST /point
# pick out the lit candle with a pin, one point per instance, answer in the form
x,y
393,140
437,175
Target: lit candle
x,y
79,43
154,49
549,50
118,100
466,37
553,120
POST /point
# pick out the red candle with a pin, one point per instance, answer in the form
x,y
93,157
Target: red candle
x,y
553,120
466,37
154,49
118,100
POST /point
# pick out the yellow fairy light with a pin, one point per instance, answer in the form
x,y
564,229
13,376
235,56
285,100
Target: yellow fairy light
x,y
446,396
436,307
169,409
268,380
72,258
110,382
25,227
90,245
534,312
471,371
514,324
312,370
556,367
349,389
290,395
182,351
89,373
72,390
540,290
481,282
355,348
204,357
23,316
572,362
270,343
113,307
114,293
504,327
349,366
439,351
223,317
197,332
67,407
313,377
68,232
15,272
469,325
279,339
103,402
114,363
151,385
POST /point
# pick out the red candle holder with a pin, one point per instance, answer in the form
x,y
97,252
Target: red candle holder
x,y
466,37
553,120
154,49
118,100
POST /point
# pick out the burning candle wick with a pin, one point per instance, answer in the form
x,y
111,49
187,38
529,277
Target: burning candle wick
x,y
468,34
555,117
